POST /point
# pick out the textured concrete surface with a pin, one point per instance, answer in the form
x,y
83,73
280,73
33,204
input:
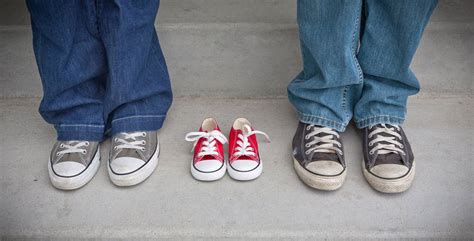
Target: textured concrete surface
x,y
14,12
244,59
241,47
277,206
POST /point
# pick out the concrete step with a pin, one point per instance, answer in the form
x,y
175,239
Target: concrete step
x,y
14,12
246,48
248,59
277,206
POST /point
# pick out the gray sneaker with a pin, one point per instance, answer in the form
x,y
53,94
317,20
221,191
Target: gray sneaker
x,y
133,157
388,165
318,157
72,164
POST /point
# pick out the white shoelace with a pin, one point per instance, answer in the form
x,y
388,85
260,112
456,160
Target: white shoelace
x,y
243,145
130,141
209,144
381,148
69,147
325,143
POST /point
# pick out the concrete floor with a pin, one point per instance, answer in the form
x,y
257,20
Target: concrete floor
x,y
277,206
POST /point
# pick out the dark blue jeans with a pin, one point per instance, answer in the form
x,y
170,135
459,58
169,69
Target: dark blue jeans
x,y
101,66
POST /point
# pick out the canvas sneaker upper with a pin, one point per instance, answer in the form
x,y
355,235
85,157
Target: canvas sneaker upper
x,y
71,158
208,148
387,152
319,150
131,151
243,146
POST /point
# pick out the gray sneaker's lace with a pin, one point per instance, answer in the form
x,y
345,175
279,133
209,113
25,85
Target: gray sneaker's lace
x,y
70,147
386,143
322,143
130,141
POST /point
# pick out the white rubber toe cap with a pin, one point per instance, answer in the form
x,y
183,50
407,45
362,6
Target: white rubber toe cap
x,y
68,169
389,170
208,165
244,165
124,165
329,168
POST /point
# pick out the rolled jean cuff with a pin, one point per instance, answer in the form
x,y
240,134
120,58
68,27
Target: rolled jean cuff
x,y
136,123
380,119
80,132
321,121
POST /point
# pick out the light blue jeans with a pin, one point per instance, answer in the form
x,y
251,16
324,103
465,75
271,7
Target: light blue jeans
x,y
356,56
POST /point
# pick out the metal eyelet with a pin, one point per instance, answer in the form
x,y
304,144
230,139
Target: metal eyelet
x,y
371,143
143,149
307,145
308,128
402,146
143,134
115,148
116,139
371,152
143,142
306,137
306,152
84,152
62,145
86,144
57,154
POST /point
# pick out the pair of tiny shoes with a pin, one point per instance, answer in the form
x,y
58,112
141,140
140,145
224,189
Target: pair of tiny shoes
x,y
243,161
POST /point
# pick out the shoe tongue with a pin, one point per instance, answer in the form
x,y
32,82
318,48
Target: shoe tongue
x,y
323,156
390,158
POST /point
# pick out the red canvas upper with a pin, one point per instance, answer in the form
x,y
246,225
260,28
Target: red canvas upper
x,y
233,139
199,144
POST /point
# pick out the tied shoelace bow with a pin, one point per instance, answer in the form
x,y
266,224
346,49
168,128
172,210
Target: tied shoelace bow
x,y
130,141
324,143
73,147
209,144
391,137
243,145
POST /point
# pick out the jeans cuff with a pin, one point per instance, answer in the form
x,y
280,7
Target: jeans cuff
x,y
321,121
380,119
79,132
136,123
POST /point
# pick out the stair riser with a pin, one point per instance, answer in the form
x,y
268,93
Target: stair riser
x,y
247,60
14,12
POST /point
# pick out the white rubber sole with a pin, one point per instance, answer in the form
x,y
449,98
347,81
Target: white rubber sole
x,y
245,176
208,176
138,176
71,183
390,185
327,183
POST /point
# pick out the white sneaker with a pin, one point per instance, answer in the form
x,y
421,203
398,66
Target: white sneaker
x,y
72,164
133,157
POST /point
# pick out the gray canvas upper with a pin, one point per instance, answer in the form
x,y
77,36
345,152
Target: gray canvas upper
x,y
83,158
300,147
406,158
149,145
